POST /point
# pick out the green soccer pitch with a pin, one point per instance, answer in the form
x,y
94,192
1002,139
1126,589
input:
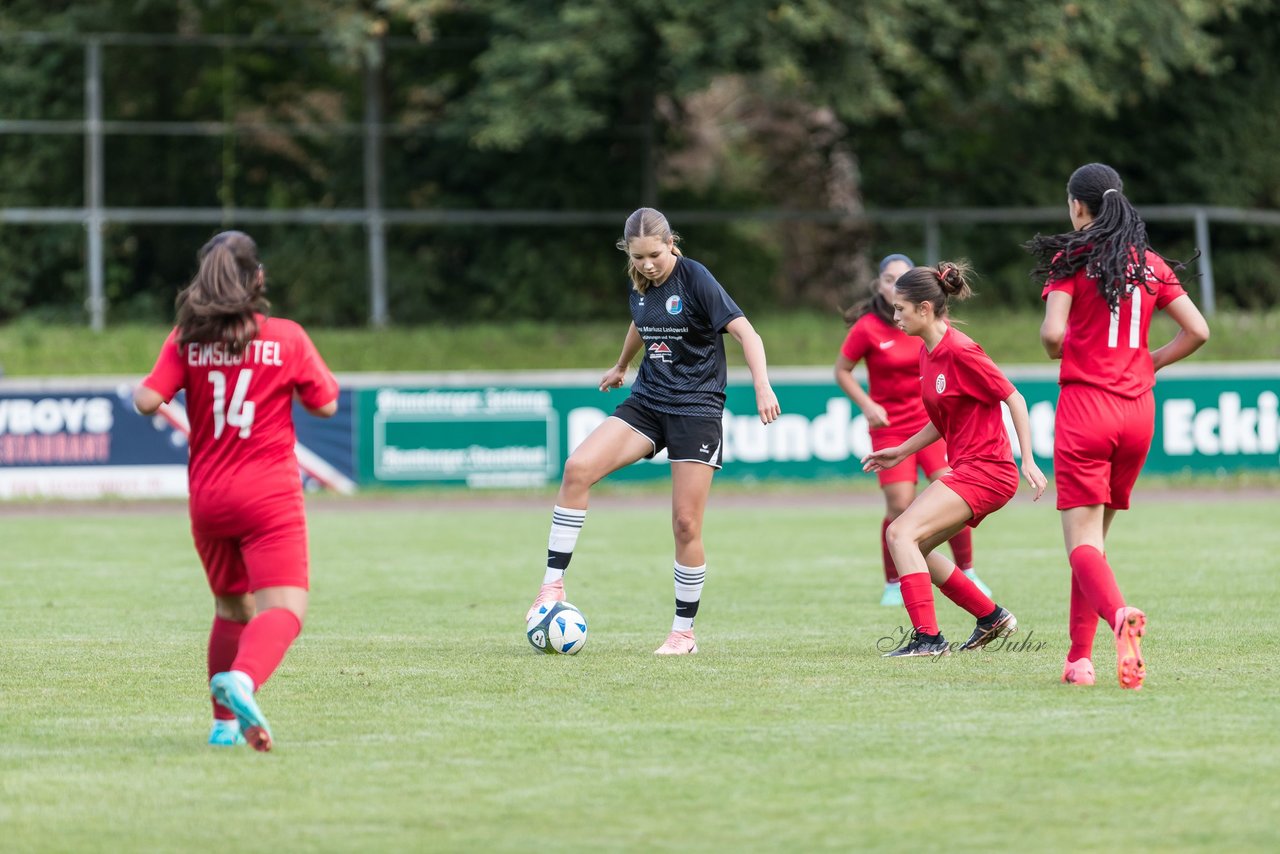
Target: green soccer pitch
x,y
412,715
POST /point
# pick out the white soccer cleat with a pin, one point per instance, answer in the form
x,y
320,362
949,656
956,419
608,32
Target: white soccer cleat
x,y
678,643
552,591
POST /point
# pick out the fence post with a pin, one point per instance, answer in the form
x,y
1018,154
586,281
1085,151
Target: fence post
x,y
1207,296
93,182
375,222
932,239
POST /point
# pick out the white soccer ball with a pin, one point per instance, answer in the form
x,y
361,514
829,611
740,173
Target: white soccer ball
x,y
557,627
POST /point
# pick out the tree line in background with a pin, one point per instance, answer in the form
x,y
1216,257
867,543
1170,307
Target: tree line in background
x,y
735,105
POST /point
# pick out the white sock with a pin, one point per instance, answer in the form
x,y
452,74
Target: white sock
x,y
566,524
689,580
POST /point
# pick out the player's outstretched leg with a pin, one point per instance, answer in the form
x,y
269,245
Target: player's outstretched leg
x,y
1131,625
552,591
234,689
998,624
225,733
1078,672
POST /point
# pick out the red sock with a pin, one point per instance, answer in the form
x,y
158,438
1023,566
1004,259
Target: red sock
x,y
890,568
265,641
962,548
917,595
1082,624
224,639
959,589
1097,582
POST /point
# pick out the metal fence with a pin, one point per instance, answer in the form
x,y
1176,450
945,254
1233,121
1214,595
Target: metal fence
x,y
375,218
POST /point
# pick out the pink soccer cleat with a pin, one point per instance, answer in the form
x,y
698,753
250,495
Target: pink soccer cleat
x,y
678,643
1131,625
552,591
1078,672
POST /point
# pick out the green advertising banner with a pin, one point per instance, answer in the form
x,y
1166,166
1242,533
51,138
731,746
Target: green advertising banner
x,y
486,430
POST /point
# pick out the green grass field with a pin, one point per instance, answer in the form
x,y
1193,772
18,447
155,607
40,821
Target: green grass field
x,y
413,716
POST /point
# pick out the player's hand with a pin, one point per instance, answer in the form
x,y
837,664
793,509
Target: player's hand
x,y
1035,477
613,378
882,459
767,404
876,416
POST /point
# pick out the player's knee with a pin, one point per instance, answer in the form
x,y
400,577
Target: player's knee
x,y
237,609
578,473
900,532
686,527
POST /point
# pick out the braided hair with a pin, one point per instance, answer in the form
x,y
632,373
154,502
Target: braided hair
x,y
1112,249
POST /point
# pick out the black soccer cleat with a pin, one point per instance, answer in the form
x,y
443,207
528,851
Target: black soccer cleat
x,y
1001,624
921,645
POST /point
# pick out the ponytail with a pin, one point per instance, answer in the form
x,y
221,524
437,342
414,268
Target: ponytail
x,y
220,303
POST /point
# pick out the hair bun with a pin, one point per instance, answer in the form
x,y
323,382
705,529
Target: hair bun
x,y
949,278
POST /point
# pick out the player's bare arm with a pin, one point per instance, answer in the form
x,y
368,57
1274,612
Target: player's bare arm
x,y
1193,332
1053,332
753,352
874,412
887,458
614,377
146,400
1022,427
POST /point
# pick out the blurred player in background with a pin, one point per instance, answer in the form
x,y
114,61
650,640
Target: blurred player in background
x,y
242,371
1104,284
894,411
962,391
679,314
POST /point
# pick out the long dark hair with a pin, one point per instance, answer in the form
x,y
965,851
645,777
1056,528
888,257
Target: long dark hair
x,y
1112,249
220,303
875,303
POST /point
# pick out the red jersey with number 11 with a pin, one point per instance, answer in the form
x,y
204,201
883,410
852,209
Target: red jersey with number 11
x,y
241,406
1110,350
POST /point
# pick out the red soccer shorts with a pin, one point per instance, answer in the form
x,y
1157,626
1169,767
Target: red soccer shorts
x,y
245,549
1100,441
929,459
984,486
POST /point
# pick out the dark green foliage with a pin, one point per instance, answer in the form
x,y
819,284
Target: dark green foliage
x,y
605,105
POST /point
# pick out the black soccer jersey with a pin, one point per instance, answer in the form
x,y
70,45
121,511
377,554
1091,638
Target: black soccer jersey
x,y
683,369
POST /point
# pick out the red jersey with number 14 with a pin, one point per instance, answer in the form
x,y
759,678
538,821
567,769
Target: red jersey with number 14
x,y
1110,350
962,390
241,406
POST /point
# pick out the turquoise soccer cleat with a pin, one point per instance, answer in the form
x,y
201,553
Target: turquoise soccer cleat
x,y
234,690
225,733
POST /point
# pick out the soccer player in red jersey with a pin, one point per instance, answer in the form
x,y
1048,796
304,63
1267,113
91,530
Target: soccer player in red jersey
x,y
680,315
242,371
962,391
1103,285
894,411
